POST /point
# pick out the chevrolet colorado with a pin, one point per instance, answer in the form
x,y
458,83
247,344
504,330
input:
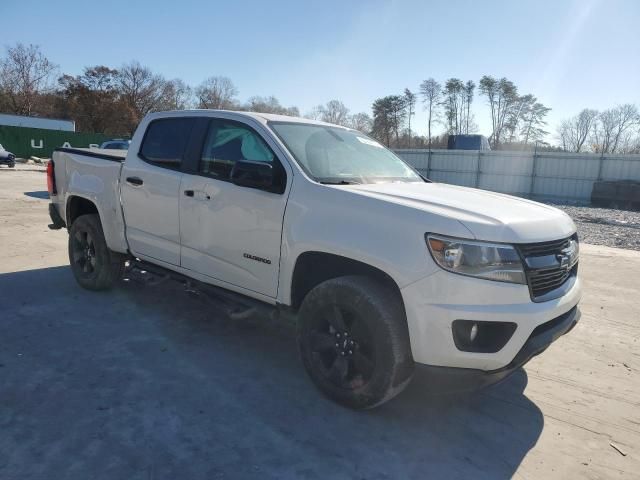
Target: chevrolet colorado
x,y
385,271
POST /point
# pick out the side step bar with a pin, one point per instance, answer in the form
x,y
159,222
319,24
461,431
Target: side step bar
x,y
240,306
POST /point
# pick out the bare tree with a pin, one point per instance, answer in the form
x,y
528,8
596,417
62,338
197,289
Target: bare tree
x,y
333,111
410,104
574,132
176,95
25,74
217,93
612,126
361,122
141,89
269,105
431,92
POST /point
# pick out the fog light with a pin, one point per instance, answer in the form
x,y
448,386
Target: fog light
x,y
481,337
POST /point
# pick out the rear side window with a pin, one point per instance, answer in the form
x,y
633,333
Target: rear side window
x,y
226,143
165,142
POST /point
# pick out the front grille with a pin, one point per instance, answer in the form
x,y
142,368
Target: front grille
x,y
542,282
543,267
544,248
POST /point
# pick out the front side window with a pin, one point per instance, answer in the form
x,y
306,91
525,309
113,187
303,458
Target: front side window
x,y
165,142
228,142
336,155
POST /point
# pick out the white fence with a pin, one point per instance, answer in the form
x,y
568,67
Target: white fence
x,y
562,177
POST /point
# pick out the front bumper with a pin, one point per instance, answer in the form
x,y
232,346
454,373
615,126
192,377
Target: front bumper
x,y
457,379
435,302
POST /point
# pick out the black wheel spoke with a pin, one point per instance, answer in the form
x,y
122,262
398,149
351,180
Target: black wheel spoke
x,y
77,254
339,369
321,342
359,330
336,319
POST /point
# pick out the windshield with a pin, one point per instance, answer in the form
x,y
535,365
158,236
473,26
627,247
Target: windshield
x,y
336,155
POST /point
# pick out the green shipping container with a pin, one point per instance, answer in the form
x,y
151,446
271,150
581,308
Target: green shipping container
x,y
38,142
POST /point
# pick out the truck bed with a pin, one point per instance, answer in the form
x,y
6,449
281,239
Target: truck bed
x,y
92,174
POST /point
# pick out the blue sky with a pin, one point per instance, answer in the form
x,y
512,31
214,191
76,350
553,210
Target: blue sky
x,y
570,54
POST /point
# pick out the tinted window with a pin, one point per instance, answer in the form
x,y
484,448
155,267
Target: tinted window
x,y
226,143
166,140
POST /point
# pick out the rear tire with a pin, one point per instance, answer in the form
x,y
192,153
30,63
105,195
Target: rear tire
x,y
354,341
94,266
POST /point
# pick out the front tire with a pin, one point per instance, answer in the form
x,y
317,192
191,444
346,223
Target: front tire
x,y
94,266
354,341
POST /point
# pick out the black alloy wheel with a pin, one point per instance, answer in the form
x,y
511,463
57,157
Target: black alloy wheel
x,y
342,347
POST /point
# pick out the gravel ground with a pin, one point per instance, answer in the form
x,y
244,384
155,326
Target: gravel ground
x,y
606,226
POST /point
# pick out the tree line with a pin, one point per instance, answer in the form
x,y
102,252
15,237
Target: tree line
x,y
514,118
614,130
114,100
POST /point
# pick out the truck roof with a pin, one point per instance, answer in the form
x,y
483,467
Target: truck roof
x,y
260,117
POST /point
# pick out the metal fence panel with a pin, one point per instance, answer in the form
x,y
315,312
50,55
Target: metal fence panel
x,y
565,177
462,162
625,167
455,178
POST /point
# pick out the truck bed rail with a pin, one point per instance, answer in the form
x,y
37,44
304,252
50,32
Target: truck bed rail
x,y
113,155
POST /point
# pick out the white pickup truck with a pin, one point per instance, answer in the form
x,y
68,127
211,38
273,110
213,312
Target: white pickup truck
x,y
385,271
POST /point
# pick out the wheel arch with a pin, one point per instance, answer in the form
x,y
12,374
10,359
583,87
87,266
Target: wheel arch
x,y
314,267
76,206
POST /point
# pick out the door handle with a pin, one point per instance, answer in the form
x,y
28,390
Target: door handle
x,y
197,194
134,180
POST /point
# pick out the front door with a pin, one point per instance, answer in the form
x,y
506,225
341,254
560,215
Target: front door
x,y
150,190
229,232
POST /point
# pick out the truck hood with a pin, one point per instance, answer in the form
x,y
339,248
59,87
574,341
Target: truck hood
x,y
487,215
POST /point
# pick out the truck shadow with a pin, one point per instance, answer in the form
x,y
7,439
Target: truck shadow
x,y
42,195
145,382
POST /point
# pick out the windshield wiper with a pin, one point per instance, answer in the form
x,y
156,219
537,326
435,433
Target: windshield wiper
x,y
339,182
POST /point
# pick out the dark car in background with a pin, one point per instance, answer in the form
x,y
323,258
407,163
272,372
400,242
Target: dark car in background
x,y
7,158
468,142
117,144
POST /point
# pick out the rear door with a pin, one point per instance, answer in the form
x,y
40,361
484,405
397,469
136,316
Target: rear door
x,y
151,189
229,232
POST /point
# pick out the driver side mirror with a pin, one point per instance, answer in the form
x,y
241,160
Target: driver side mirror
x,y
258,175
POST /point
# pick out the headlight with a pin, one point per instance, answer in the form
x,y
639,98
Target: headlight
x,y
492,261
